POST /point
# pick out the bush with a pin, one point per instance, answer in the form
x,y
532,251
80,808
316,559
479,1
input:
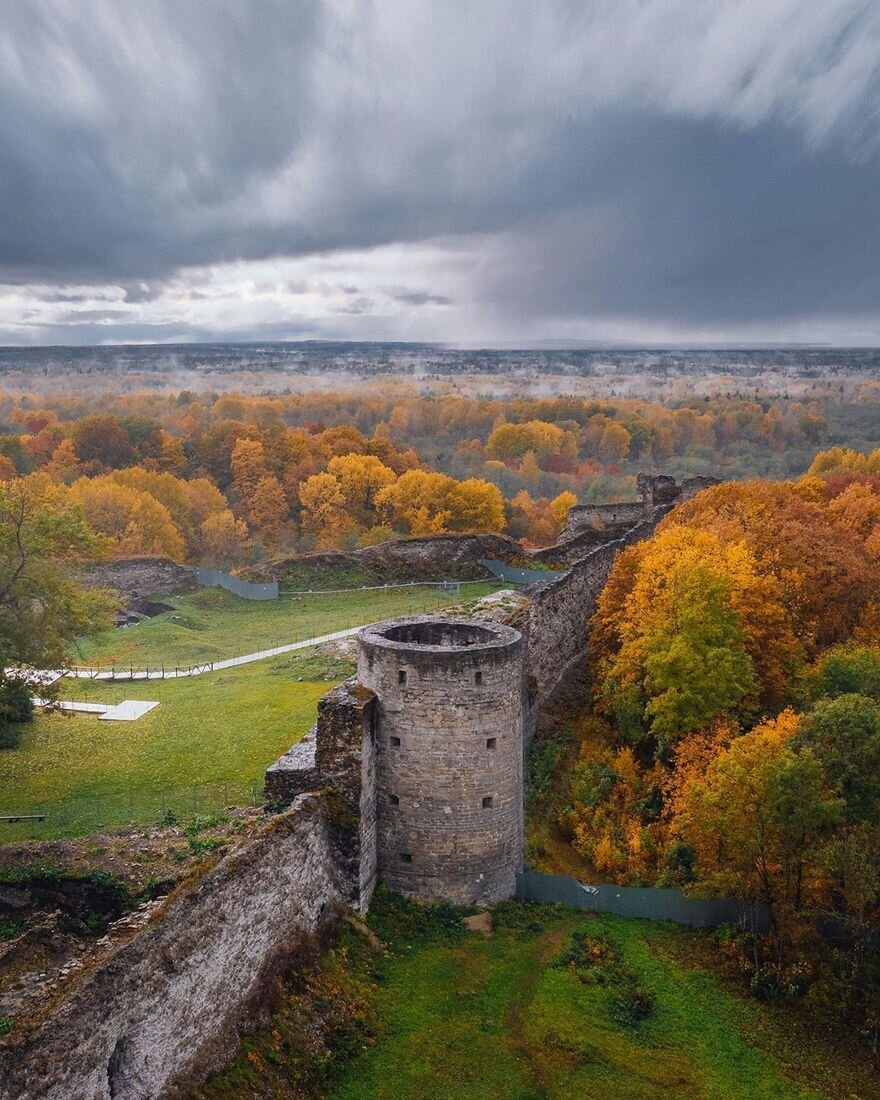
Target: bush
x,y
631,1004
593,958
8,736
400,922
16,706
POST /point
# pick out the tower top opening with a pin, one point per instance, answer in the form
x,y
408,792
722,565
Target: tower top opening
x,y
429,634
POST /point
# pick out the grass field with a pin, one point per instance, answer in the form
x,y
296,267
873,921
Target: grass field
x,y
211,624
471,1018
208,743
216,733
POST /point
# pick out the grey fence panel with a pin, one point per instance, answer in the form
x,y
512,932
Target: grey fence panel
x,y
216,578
510,575
647,903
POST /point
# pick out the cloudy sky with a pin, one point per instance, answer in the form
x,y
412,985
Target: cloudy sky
x,y
507,170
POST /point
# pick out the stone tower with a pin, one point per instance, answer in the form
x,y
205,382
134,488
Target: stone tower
x,y
449,756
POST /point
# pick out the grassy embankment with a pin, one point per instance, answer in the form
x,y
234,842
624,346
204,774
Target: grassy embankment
x,y
450,1014
208,743
211,624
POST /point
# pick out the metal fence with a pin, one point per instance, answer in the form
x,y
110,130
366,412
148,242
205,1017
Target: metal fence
x,y
511,575
216,578
84,815
648,903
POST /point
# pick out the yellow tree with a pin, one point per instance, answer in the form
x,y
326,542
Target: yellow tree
x,y
225,540
323,510
248,462
63,465
418,501
614,442
754,817
476,505
561,506
857,508
151,530
684,628
529,470
268,510
361,478
532,520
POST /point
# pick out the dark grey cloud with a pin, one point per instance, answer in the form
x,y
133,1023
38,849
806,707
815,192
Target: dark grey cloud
x,y
615,161
419,298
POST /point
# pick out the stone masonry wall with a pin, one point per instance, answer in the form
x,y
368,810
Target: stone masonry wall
x,y
555,622
346,762
450,747
598,516
167,1002
338,755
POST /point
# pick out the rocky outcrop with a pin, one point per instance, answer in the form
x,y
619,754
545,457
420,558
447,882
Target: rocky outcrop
x,y
139,580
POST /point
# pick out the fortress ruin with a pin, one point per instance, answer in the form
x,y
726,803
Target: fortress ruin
x,y
413,776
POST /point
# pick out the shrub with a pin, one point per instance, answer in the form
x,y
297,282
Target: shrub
x,y
8,736
16,704
592,956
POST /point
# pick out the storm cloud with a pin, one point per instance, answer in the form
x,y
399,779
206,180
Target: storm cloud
x,y
631,169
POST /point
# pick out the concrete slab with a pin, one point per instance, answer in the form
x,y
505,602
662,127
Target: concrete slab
x,y
128,711
75,708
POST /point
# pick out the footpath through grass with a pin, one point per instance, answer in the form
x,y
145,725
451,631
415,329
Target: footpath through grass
x,y
552,1006
211,624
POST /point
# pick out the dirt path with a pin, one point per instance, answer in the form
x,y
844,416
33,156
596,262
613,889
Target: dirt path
x,y
515,1021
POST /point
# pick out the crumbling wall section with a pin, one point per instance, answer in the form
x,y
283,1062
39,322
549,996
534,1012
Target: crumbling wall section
x,y
555,622
598,517
167,1002
346,762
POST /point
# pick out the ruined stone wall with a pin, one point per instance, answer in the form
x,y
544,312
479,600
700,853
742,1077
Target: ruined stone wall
x,y
433,558
338,755
598,516
555,622
346,761
142,577
167,1002
450,745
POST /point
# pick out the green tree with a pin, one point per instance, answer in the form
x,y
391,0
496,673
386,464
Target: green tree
x,y
844,735
696,664
43,540
845,670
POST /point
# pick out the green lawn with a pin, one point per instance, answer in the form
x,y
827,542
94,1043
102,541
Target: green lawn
x,y
211,624
445,1014
215,732
210,740
494,1018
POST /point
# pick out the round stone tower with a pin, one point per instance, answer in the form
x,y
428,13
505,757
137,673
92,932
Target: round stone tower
x,y
449,756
